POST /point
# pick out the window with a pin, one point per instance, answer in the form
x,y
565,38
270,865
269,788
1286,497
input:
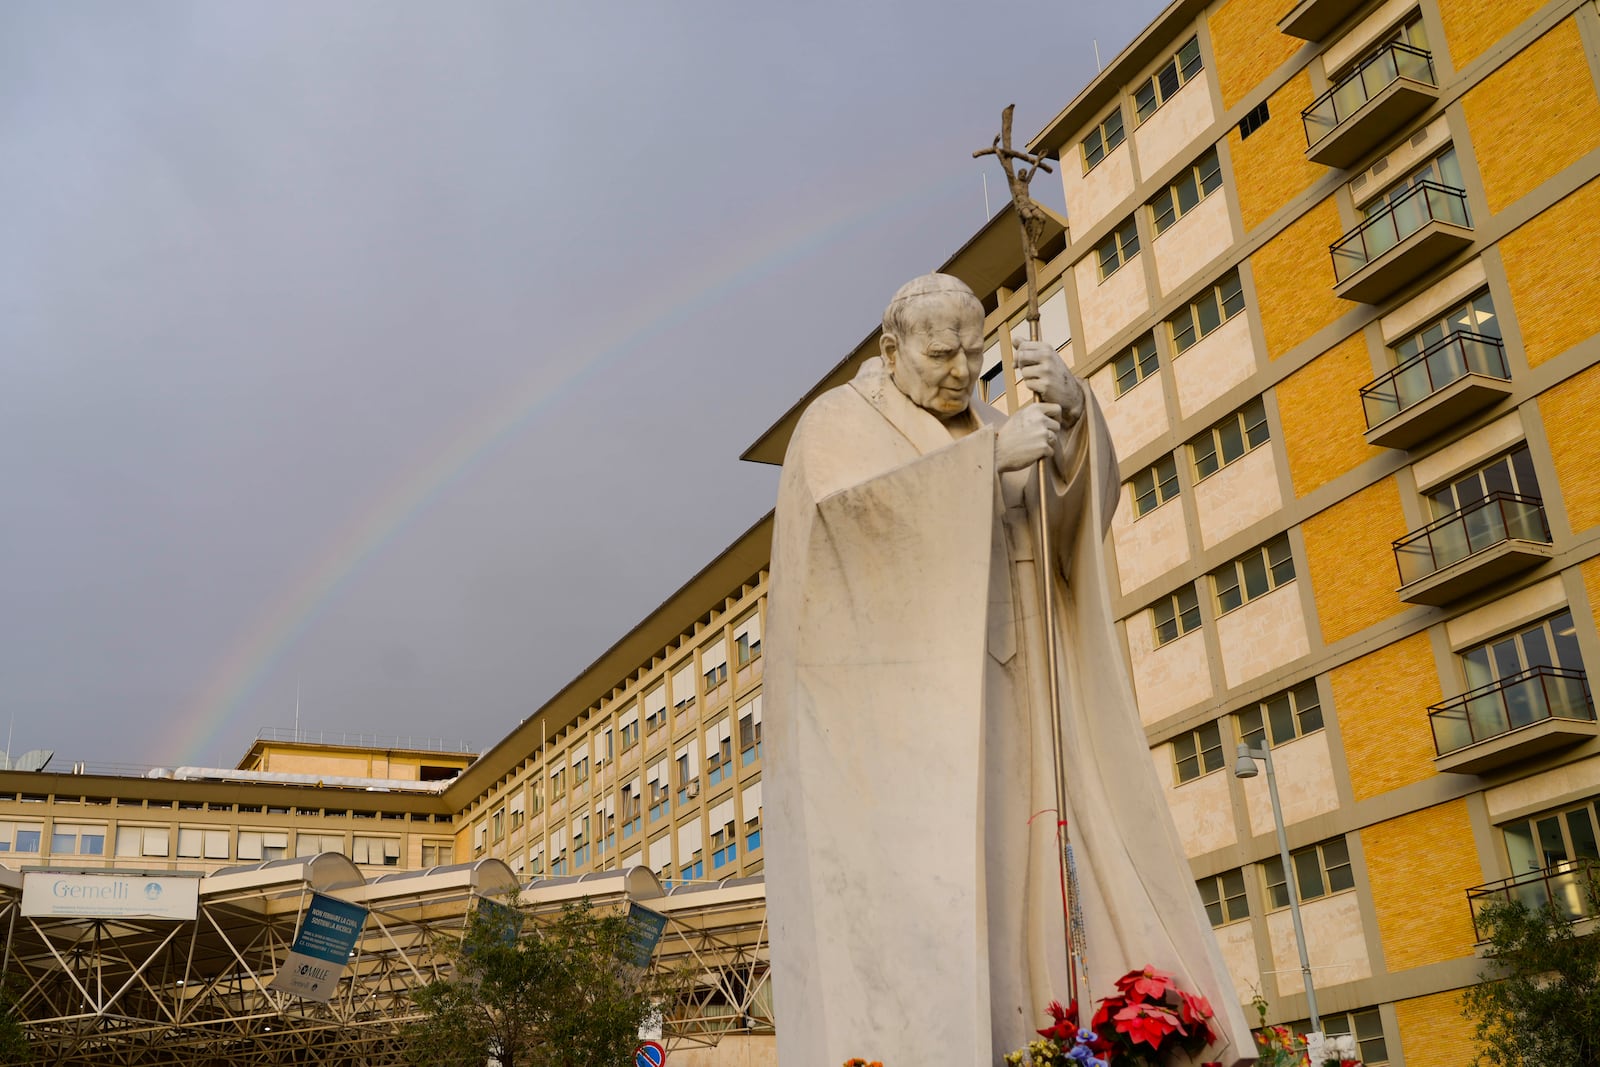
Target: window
x,y
1554,839
1442,169
1224,897
719,751
660,791
1135,363
1473,315
558,783
628,727
1198,752
68,840
1253,574
1168,79
1187,190
196,843
1229,439
683,686
1102,140
714,664
632,806
518,810
1551,642
580,771
1212,308
134,841
1510,473
1154,486
1409,33
724,835
994,383
1282,717
255,844
696,869
437,853
655,710
750,804
1365,1023
1121,245
498,823
1254,119
1319,870
688,775
747,640
377,851
315,844
750,732
1176,615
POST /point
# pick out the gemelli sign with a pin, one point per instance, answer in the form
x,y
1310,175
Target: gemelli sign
x,y
109,896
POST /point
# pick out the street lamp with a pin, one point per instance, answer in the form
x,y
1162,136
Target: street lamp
x,y
1245,767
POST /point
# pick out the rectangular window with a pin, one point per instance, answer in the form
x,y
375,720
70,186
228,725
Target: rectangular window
x,y
315,844
1103,139
1254,119
747,640
437,853
655,709
257,844
994,383
628,727
1202,178
1198,752
377,851
558,783
580,771
1553,839
1229,439
1365,1023
1551,642
1319,870
497,822
1176,615
1475,315
1171,76
1224,897
63,842
683,685
1196,321
1253,574
1282,717
1154,486
1121,245
719,751
1135,363
1511,473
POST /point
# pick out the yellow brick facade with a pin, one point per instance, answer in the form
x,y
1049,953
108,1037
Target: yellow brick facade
x,y
1433,1032
1420,867
1550,79
1294,279
1382,701
1557,294
1574,432
1471,26
1350,557
1591,585
1320,408
1244,54
1270,168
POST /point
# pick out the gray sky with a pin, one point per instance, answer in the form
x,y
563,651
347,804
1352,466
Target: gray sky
x,y
343,345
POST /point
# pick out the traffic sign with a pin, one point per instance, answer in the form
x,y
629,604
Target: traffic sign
x,y
649,1054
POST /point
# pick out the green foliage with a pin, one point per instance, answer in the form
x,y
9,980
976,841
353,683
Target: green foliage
x,y
13,1040
560,994
1539,1005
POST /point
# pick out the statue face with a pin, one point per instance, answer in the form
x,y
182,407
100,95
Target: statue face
x,y
936,363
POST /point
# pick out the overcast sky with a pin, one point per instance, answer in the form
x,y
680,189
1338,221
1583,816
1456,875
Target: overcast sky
x,y
402,353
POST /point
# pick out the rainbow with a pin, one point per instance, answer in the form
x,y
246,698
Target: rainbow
x,y
253,655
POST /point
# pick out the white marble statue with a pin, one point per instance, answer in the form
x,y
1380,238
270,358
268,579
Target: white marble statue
x,y
912,882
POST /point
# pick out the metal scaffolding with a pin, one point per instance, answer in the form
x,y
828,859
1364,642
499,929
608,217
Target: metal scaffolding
x,y
150,993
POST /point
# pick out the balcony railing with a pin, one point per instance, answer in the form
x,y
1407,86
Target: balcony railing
x,y
1507,704
1564,886
1393,64
1481,525
1425,202
1442,363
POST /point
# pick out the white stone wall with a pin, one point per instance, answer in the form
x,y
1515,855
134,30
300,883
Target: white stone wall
x,y
1135,418
1174,127
1170,678
1193,241
1107,306
1093,196
1214,364
1262,635
1151,545
1239,494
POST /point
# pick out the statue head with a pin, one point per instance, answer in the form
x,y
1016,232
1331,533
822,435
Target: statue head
x,y
932,343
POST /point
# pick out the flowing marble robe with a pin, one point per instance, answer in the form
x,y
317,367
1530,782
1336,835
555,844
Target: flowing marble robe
x,y
913,889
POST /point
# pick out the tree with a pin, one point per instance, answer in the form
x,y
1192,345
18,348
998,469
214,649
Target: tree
x,y
13,1039
1539,1004
561,994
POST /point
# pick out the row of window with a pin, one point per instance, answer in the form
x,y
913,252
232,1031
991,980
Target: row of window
x,y
1319,870
1212,449
1277,720
203,843
1235,583
1182,195
1179,69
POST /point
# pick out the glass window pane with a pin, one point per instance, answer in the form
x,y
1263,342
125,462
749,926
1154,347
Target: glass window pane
x,y
1519,847
1189,58
1251,731
1113,128
1552,846
1566,641
1208,312
1144,100
1308,875
1255,576
1281,718
1168,79
1581,831
1188,190
1128,236
1232,441
1232,296
1308,706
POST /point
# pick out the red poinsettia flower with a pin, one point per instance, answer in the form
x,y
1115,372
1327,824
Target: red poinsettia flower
x,y
1147,1023
1065,1025
1196,1012
1149,984
1108,1008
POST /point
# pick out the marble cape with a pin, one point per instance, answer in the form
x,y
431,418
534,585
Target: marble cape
x,y
912,885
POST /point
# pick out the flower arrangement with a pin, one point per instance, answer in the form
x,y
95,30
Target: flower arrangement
x,y
857,1061
1147,1019
1279,1046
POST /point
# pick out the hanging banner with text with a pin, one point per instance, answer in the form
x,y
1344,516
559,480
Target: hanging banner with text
x,y
645,933
322,949
109,896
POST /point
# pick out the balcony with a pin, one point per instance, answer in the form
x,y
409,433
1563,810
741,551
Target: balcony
x,y
1510,719
1423,227
1312,20
1564,886
1456,376
1487,540
1390,87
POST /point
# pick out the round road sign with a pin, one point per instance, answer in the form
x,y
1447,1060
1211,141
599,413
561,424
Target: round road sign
x,y
649,1054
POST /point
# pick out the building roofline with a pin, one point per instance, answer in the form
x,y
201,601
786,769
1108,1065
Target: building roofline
x,y
1099,93
745,558
987,261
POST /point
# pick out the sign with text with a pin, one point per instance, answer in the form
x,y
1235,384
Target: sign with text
x,y
645,933
109,895
322,949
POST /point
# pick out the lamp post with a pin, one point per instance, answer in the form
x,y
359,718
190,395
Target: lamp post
x,y
1245,767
